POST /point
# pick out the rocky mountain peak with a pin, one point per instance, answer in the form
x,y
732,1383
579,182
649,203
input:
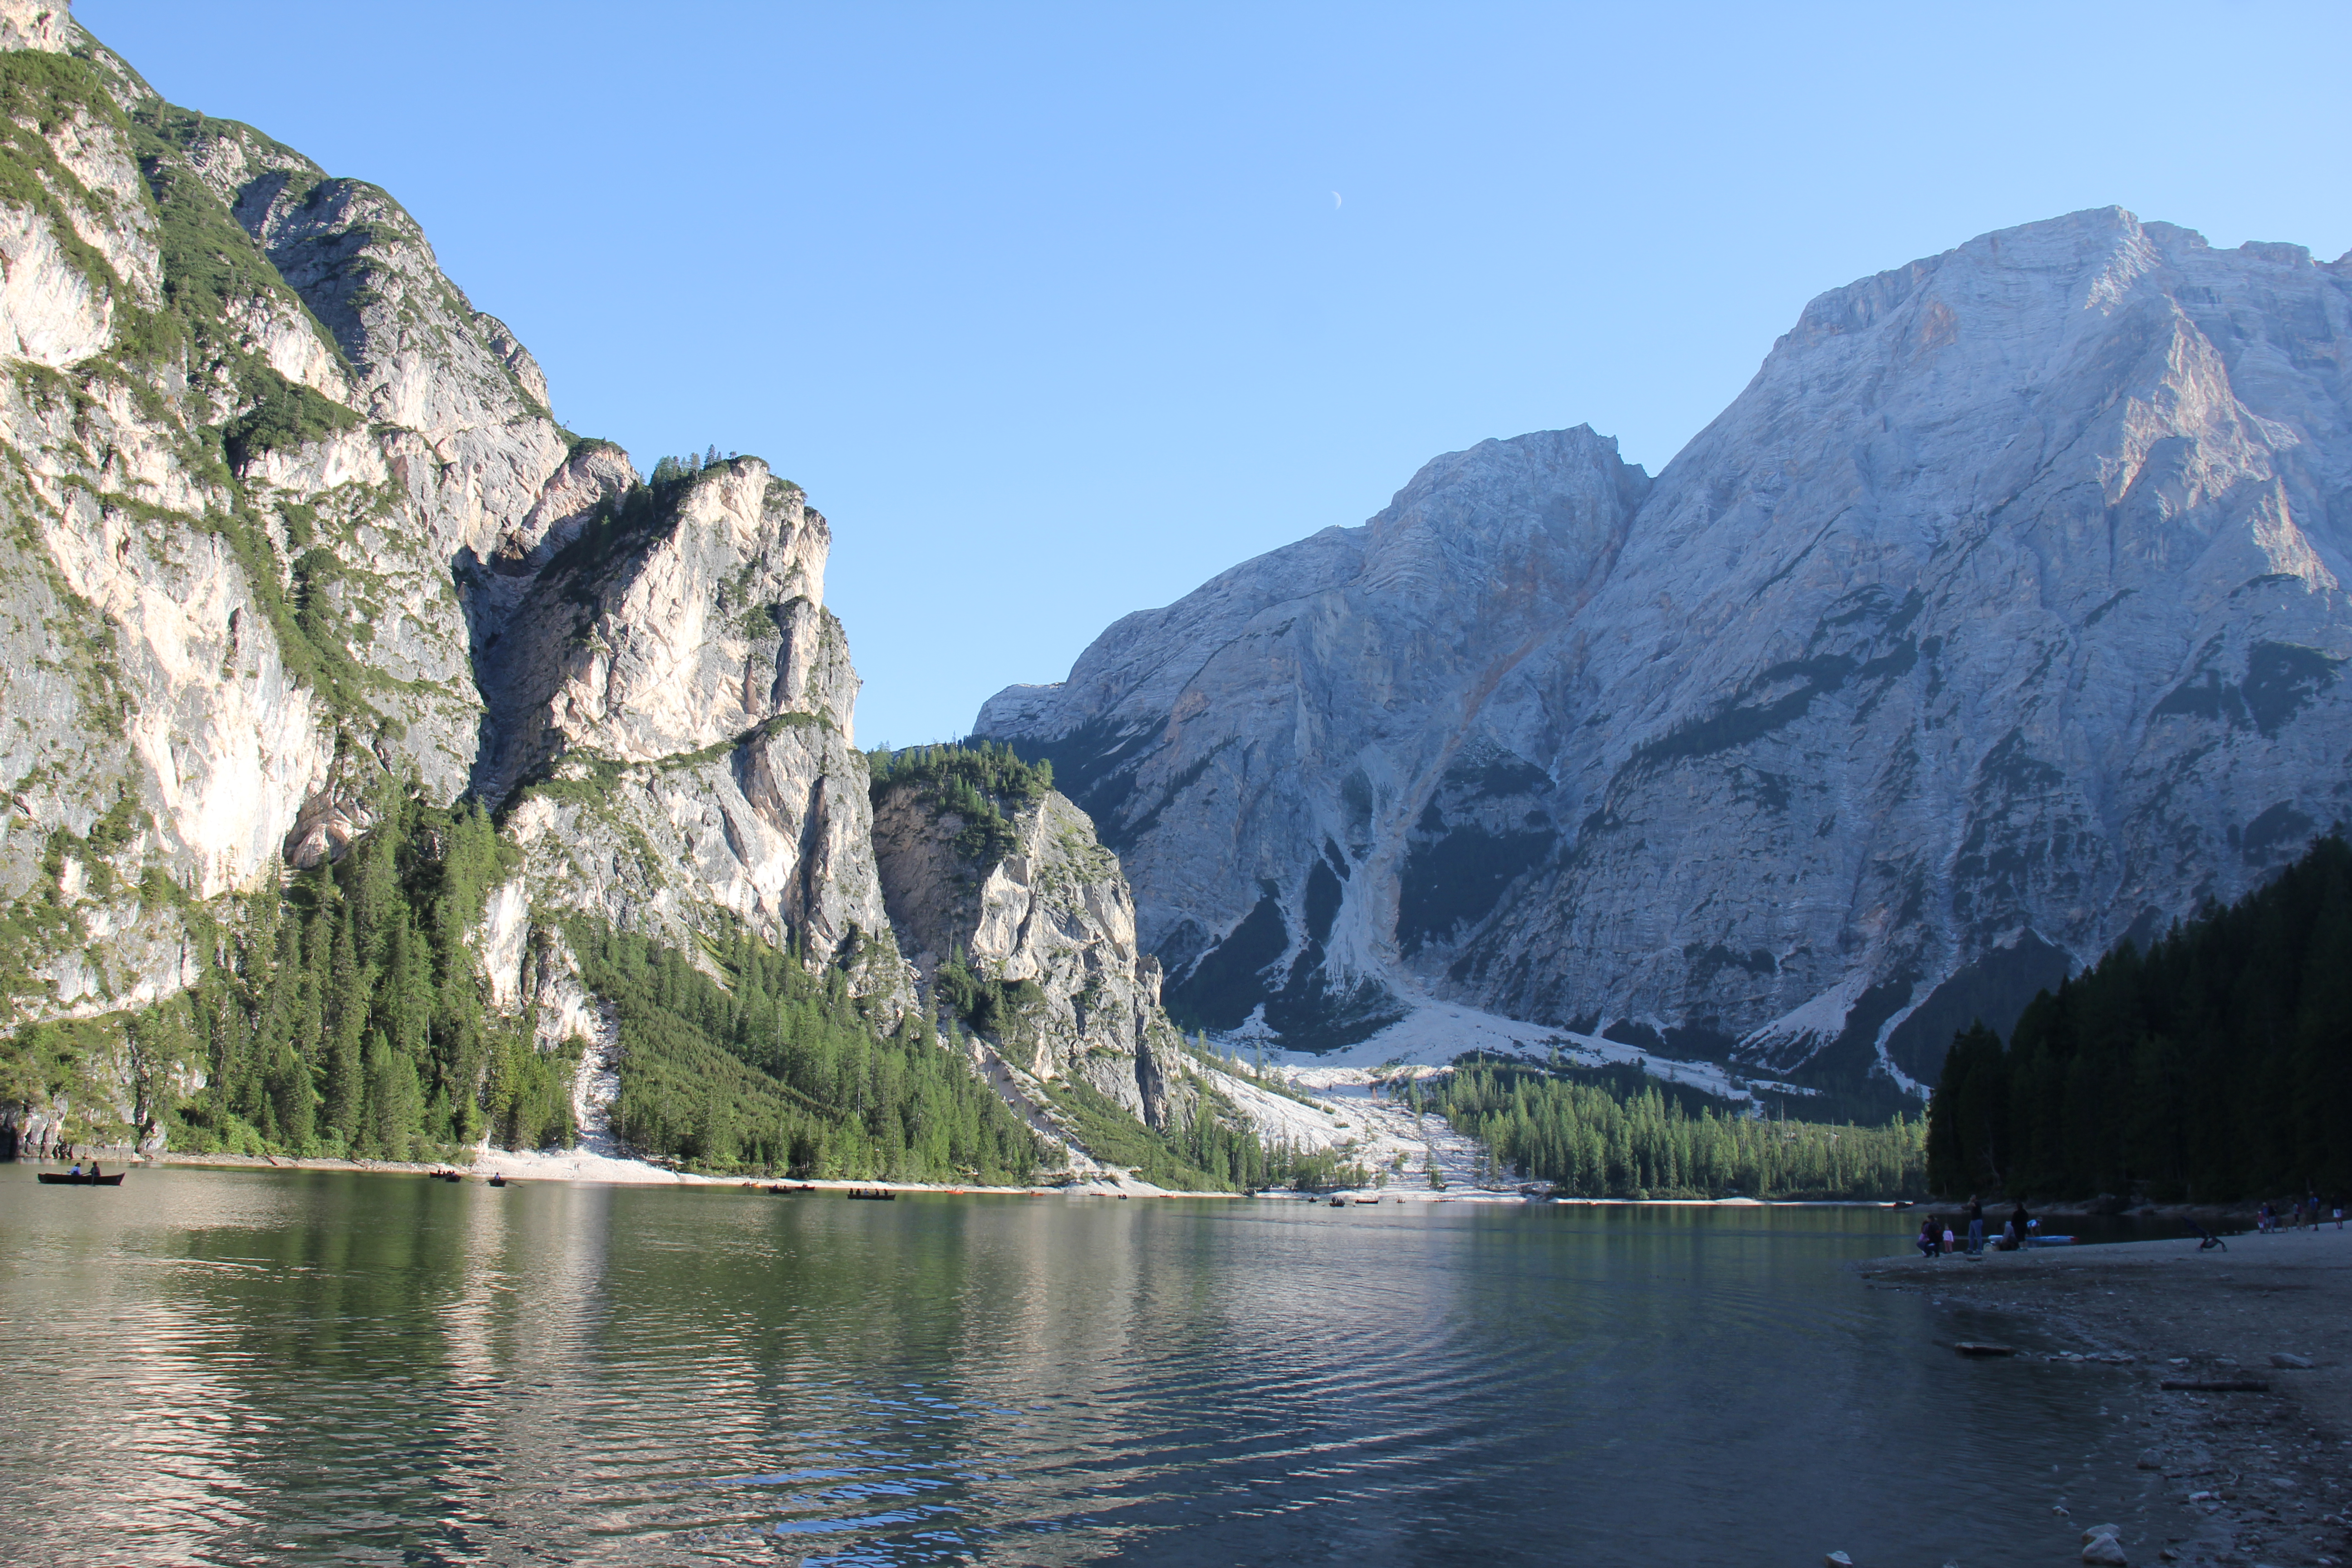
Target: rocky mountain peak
x,y
1996,619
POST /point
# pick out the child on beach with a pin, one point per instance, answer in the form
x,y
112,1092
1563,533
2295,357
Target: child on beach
x,y
1927,1241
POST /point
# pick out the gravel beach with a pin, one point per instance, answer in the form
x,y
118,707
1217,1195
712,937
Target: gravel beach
x,y
2222,1477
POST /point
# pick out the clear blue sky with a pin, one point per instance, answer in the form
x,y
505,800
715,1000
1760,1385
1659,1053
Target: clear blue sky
x,y
1052,309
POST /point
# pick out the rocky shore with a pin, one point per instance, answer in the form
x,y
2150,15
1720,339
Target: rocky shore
x,y
2224,1476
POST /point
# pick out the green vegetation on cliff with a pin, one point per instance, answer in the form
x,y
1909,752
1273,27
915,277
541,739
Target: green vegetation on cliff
x,y
2214,1067
345,1015
977,782
1608,1133
1207,1149
780,1069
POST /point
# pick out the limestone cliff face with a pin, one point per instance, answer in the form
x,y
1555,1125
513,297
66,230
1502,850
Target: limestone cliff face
x,y
1265,754
2001,616
285,514
672,628
1050,924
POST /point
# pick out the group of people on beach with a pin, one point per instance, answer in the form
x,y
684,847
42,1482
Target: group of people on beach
x,y
2295,1214
1936,1236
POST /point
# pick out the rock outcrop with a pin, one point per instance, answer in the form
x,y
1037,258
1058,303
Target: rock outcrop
x,y
1041,925
291,518
2000,618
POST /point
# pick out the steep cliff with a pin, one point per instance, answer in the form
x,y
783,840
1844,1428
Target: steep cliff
x,y
2000,617
670,711
248,425
302,587
1023,925
1260,753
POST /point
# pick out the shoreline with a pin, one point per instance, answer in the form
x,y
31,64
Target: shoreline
x,y
582,1166
592,1169
2221,1477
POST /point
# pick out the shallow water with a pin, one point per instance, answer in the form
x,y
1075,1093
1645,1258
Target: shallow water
x,y
293,1366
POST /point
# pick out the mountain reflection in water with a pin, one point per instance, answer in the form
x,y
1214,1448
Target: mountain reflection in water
x,y
231,1367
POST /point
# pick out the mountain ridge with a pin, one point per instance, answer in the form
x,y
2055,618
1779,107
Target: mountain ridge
x,y
1739,797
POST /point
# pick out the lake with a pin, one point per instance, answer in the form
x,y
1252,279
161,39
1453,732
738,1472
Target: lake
x,y
251,1366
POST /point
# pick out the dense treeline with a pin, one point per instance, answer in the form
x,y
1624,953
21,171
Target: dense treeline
x,y
1596,1136
2217,1066
1205,1148
344,1015
347,1016
780,1069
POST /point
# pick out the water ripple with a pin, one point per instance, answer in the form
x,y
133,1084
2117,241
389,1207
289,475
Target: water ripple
x,y
301,1367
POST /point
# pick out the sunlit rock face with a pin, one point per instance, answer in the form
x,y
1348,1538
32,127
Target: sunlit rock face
x,y
1050,921
291,525
1999,618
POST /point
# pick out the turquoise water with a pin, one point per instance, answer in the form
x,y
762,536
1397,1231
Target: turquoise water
x,y
289,1367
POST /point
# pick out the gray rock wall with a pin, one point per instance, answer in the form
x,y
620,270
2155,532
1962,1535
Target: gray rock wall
x,y
1055,912
2001,617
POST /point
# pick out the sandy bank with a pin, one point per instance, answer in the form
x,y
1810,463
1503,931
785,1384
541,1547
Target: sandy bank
x,y
2220,1478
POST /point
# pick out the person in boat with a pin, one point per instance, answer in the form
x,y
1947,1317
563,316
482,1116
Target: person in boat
x,y
77,1169
93,1168
1975,1226
1927,1236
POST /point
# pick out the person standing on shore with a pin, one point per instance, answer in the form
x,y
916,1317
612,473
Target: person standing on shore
x,y
1976,1226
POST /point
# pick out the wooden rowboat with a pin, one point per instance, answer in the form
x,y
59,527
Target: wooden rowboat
x,y
881,1194
67,1179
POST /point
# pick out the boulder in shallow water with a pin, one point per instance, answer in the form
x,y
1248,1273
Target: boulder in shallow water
x,y
2284,1359
2097,1530
1837,1560
2105,1550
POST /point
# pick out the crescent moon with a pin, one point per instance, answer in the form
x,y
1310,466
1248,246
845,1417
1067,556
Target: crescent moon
x,y
1335,200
